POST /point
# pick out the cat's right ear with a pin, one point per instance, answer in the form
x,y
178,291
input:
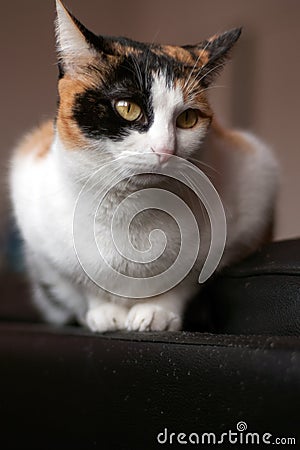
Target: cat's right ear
x,y
74,41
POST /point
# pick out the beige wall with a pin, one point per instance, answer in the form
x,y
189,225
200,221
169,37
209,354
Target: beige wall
x,y
261,85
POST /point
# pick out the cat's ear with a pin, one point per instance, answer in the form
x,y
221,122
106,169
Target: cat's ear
x,y
74,41
214,52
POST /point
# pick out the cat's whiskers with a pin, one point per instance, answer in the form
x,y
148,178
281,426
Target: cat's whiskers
x,y
109,176
99,71
148,52
190,88
131,70
195,65
227,208
197,80
190,183
201,163
211,87
148,57
135,70
194,93
138,71
211,70
129,180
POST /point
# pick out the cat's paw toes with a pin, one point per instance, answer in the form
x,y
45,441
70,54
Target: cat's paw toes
x,y
107,317
148,317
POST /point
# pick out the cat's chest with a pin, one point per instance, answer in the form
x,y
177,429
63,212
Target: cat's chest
x,y
139,237
147,238
142,245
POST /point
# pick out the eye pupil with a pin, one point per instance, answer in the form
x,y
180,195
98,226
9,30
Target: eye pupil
x,y
128,110
187,119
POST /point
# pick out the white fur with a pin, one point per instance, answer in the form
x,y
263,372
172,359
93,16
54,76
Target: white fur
x,y
44,193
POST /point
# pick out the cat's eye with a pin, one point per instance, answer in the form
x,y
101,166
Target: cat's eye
x,y
128,110
187,119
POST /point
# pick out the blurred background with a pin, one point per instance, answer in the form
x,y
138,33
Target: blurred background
x,y
257,91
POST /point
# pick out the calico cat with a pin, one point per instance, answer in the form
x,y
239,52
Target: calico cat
x,y
120,100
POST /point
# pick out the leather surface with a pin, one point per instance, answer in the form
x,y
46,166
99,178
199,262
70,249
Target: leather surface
x,y
257,305
68,389
65,388
260,295
282,257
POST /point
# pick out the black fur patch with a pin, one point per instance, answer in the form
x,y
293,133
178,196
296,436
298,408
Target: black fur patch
x,y
94,109
130,80
218,50
95,114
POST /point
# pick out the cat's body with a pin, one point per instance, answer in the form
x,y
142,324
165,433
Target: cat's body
x,y
52,164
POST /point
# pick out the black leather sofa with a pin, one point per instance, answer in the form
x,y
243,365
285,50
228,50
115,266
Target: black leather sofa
x,y
234,370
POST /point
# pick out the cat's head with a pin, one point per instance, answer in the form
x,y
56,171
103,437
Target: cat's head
x,y
121,97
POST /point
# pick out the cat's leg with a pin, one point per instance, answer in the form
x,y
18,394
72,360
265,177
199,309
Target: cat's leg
x,y
160,313
52,301
103,315
58,299
61,301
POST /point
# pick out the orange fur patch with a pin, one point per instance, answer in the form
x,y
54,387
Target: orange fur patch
x,y
178,53
203,57
125,50
234,138
66,125
37,141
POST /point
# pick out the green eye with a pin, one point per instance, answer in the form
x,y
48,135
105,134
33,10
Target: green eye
x,y
187,119
128,110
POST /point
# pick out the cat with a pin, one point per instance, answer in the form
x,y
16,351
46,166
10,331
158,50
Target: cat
x,y
120,100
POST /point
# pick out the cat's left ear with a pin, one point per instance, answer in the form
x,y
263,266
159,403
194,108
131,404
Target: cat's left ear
x,y
213,53
74,41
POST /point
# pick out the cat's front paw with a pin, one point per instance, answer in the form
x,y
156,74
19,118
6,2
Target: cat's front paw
x,y
107,317
149,317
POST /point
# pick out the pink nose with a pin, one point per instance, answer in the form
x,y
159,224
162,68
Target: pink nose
x,y
163,154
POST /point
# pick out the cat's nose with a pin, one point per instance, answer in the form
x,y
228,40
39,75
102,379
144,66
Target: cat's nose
x,y
163,154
